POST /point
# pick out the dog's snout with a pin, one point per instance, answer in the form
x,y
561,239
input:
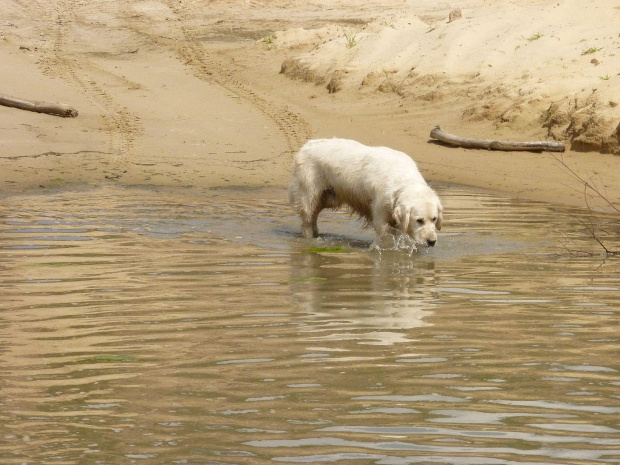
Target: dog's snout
x,y
431,242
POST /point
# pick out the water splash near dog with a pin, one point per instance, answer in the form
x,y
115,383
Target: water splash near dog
x,y
395,241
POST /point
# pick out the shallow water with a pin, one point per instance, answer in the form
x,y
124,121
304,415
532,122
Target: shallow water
x,y
144,326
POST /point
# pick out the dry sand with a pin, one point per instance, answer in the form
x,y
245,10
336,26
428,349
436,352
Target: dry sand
x,y
209,93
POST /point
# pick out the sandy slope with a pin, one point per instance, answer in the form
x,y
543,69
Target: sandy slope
x,y
185,93
557,69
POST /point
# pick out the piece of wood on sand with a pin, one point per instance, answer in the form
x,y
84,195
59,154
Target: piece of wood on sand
x,y
57,109
540,146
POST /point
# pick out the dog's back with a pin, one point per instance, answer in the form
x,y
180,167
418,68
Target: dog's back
x,y
348,164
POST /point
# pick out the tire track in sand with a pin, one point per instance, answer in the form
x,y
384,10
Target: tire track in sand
x,y
212,68
121,126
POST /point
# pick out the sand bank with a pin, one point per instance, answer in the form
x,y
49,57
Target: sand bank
x,y
212,93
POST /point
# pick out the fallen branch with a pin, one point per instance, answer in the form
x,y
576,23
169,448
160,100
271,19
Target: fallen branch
x,y
57,109
443,136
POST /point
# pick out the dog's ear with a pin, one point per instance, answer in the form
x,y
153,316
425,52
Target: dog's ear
x,y
401,218
439,222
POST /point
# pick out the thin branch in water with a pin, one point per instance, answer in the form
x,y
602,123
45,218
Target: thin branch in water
x,y
589,185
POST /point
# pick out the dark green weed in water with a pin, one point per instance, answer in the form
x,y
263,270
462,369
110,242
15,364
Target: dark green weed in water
x,y
310,279
113,358
327,250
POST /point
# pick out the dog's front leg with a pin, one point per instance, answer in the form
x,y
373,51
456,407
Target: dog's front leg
x,y
380,220
381,228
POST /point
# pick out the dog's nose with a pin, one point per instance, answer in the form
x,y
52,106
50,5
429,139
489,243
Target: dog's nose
x,y
431,243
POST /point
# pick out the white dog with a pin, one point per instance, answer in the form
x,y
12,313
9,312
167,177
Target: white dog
x,y
381,185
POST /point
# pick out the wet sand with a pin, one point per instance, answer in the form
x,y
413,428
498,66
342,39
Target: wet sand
x,y
186,94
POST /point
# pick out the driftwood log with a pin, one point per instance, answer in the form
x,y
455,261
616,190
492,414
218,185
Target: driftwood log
x,y
541,146
57,109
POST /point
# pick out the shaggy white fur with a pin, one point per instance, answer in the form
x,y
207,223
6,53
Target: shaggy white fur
x,y
381,185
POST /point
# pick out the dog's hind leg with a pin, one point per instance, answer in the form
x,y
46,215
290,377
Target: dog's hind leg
x,y
310,206
303,199
310,212
309,227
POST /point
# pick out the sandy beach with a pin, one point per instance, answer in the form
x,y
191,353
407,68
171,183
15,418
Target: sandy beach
x,y
198,93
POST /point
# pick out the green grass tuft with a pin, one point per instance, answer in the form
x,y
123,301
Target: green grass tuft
x,y
351,39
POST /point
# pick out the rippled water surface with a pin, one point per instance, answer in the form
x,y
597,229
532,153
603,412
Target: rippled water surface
x,y
187,327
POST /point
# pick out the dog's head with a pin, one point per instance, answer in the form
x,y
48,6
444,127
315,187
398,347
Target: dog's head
x,y
419,213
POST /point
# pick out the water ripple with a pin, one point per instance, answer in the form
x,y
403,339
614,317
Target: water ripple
x,y
197,326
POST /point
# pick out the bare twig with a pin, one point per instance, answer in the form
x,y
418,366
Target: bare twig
x,y
590,187
587,185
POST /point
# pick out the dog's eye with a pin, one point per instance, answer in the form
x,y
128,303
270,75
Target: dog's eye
x,y
434,219
420,220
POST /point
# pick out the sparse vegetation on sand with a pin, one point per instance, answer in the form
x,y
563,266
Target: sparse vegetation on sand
x,y
351,39
591,50
268,41
536,36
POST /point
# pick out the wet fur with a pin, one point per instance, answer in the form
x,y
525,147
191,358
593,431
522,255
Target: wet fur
x,y
382,186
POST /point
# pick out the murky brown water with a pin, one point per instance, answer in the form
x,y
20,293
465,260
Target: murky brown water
x,y
179,327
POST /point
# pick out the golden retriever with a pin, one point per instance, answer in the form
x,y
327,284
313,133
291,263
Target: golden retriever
x,y
383,186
